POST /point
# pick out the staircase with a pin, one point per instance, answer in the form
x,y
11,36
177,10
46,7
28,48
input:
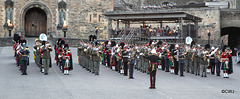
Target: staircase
x,y
126,37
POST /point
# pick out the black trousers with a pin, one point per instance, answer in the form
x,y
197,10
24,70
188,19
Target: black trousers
x,y
212,66
181,68
116,65
163,64
24,66
218,68
176,67
125,68
167,65
108,61
131,70
152,77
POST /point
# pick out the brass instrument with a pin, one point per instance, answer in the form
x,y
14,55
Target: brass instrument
x,y
192,57
218,56
229,51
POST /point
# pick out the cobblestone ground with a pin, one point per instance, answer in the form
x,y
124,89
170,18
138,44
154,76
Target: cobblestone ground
x,y
81,84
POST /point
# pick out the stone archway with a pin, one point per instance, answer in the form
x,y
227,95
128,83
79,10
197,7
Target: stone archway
x,y
233,36
35,22
37,5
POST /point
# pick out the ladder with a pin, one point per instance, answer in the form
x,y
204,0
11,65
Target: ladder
x,y
121,36
130,35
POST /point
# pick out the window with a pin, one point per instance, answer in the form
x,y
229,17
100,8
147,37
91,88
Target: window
x,y
94,15
90,18
99,18
83,1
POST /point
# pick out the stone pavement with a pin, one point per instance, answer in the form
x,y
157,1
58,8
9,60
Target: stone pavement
x,y
81,84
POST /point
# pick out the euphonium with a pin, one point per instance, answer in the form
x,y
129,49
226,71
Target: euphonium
x,y
218,56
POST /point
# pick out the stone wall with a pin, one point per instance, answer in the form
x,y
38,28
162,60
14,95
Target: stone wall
x,y
2,18
227,15
210,21
78,16
6,41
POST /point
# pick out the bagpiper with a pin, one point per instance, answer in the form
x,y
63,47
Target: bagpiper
x,y
225,62
67,62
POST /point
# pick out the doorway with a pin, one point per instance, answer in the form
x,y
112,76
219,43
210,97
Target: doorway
x,y
35,22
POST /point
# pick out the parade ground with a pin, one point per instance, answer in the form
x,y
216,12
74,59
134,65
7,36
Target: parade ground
x,y
81,84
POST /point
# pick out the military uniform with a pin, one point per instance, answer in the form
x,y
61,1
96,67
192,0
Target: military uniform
x,y
146,62
138,61
176,59
152,69
218,63
38,55
141,59
163,61
212,64
188,61
181,62
67,62
24,53
96,60
192,61
119,61
204,64
225,64
90,60
197,59
84,57
166,61
131,63
80,55
125,62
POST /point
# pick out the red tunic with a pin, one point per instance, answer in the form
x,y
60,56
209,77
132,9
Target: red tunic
x,y
225,56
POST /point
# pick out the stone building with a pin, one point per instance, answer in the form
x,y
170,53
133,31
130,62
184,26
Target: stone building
x,y
220,17
32,17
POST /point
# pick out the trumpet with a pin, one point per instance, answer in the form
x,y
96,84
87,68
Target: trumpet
x,y
229,51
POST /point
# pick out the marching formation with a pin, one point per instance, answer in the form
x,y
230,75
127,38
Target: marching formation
x,y
21,53
63,56
147,58
124,58
42,54
89,56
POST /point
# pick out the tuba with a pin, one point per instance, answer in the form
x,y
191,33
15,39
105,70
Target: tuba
x,y
43,37
188,40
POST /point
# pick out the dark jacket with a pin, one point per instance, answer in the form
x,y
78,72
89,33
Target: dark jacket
x,y
153,58
24,54
46,52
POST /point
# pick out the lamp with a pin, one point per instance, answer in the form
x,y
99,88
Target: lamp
x,y
9,26
65,27
209,35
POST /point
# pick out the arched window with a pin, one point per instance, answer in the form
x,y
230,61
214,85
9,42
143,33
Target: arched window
x,y
192,2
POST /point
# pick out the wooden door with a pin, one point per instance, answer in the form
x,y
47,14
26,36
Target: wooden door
x,y
35,22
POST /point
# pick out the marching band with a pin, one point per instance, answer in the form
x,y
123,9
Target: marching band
x,y
123,57
194,59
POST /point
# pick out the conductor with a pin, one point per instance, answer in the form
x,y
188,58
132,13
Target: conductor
x,y
153,68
